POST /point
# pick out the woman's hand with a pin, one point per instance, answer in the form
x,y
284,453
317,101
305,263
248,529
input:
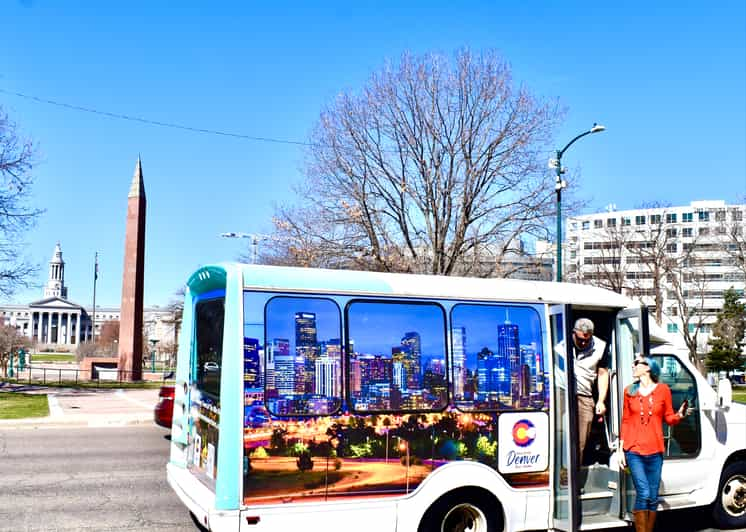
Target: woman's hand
x,y
683,409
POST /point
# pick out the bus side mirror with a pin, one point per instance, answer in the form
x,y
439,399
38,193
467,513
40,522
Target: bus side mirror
x,y
725,393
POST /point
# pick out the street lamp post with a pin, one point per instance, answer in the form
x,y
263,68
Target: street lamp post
x,y
153,341
255,239
559,185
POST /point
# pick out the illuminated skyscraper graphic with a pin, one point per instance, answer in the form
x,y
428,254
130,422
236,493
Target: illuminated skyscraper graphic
x,y
284,364
413,360
252,372
306,347
508,346
458,338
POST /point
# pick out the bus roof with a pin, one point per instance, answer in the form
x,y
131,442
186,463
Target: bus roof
x,y
285,279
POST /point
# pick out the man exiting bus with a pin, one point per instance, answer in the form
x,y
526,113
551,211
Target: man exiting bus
x,y
591,363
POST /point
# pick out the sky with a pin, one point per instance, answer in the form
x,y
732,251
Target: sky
x,y
667,79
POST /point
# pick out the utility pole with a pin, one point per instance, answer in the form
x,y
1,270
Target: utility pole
x,y
93,315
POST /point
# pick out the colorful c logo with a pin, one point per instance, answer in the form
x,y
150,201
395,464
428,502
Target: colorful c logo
x,y
524,433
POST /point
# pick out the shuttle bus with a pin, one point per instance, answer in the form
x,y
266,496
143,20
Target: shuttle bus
x,y
322,400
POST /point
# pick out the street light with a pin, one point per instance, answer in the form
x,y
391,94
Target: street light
x,y
255,239
153,341
559,185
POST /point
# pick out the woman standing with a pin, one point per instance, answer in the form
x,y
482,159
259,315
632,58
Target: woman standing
x,y
647,403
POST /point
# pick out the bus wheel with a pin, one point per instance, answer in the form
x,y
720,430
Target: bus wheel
x,y
730,506
463,510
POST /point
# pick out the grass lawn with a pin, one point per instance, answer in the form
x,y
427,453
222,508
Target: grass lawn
x,y
740,395
14,405
52,357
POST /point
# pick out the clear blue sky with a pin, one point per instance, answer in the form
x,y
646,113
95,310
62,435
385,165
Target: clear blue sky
x,y
668,80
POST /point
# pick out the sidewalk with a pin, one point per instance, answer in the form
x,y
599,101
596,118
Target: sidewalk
x,y
87,407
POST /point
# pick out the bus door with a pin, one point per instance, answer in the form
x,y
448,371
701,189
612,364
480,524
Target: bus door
x,y
631,339
564,447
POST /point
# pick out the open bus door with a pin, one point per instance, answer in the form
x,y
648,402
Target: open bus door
x,y
565,516
592,497
632,338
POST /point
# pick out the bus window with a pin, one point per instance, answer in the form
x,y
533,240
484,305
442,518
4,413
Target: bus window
x,y
209,346
498,361
682,440
205,401
303,356
397,357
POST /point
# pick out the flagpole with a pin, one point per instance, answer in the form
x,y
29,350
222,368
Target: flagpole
x,y
95,278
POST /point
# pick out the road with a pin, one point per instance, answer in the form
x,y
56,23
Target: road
x,y
113,479
88,479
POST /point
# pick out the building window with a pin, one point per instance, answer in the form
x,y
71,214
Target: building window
x,y
671,218
573,254
687,217
671,233
671,248
611,222
586,226
655,219
721,230
673,328
704,231
686,232
598,224
574,226
720,216
704,216
692,327
737,215
639,220
626,220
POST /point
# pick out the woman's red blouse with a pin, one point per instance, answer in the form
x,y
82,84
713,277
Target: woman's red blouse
x,y
642,420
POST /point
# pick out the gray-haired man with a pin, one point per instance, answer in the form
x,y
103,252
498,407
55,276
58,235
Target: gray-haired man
x,y
591,362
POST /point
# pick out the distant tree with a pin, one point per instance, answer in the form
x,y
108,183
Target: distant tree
x,y
176,306
437,165
304,461
16,216
108,338
727,341
11,340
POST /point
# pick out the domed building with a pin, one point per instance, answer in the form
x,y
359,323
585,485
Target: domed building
x,y
55,322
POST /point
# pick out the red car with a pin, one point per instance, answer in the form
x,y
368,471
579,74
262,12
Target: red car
x,y
164,410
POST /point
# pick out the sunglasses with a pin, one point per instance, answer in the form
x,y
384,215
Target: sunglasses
x,y
643,362
580,340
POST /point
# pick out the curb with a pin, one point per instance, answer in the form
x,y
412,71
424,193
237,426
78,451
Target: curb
x,y
92,421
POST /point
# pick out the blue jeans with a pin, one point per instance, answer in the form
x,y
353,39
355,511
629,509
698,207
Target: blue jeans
x,y
646,474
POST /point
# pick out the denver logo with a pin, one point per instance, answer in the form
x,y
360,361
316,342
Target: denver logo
x,y
524,433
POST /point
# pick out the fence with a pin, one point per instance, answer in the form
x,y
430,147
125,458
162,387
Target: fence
x,y
98,375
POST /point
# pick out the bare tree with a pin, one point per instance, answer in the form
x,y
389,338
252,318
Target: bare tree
x,y
605,266
436,166
688,288
16,163
11,340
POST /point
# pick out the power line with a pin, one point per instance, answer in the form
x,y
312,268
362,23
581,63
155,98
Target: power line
x,y
154,122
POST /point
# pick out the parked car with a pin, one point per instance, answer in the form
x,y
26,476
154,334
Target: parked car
x,y
164,410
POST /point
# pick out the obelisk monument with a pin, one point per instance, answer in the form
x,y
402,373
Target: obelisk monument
x,y
130,321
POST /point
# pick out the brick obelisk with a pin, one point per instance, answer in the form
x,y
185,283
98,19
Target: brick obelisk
x,y
130,321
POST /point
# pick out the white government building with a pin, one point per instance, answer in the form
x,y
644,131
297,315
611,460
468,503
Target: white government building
x,y
705,238
57,322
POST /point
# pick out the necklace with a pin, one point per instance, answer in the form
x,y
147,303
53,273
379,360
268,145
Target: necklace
x,y
644,421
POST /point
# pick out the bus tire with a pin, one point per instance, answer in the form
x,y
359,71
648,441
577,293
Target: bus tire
x,y
463,510
729,510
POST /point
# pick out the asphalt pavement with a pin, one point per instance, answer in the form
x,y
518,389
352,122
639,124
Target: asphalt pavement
x,y
87,407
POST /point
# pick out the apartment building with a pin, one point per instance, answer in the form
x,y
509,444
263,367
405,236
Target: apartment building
x,y
677,260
